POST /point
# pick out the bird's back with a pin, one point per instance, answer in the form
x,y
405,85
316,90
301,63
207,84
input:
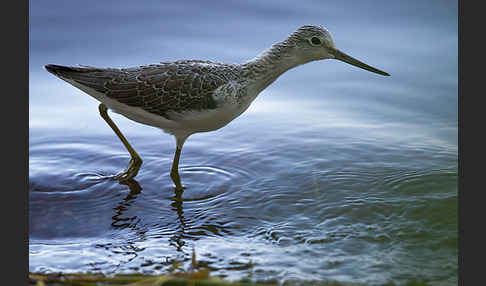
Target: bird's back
x,y
160,89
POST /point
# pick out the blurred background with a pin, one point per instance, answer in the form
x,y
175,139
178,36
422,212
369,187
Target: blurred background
x,y
334,173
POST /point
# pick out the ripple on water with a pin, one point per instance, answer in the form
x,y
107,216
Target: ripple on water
x,y
269,206
73,197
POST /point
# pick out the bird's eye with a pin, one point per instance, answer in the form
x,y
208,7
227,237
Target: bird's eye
x,y
315,41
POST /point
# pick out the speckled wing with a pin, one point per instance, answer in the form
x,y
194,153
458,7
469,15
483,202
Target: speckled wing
x,y
159,89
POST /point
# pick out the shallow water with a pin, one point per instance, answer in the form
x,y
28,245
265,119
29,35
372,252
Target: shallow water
x,y
292,202
332,174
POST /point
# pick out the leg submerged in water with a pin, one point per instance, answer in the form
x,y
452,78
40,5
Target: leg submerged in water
x,y
174,172
135,161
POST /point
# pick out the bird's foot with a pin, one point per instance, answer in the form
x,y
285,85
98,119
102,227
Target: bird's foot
x,y
131,171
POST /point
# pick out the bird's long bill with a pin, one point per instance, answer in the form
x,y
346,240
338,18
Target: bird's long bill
x,y
350,60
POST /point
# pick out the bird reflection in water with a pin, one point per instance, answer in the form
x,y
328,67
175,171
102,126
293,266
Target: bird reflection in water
x,y
179,233
177,239
121,222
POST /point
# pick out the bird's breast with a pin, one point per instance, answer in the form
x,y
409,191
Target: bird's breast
x,y
211,119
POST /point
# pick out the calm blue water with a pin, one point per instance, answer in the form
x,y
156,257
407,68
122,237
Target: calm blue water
x,y
334,173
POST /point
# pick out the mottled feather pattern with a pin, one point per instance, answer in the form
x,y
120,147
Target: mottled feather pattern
x,y
160,89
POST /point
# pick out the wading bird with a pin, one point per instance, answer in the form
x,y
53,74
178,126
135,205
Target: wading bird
x,y
189,96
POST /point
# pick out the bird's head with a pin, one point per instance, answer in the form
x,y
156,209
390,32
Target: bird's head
x,y
313,43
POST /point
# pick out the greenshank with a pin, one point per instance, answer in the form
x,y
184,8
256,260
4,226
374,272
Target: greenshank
x,y
189,96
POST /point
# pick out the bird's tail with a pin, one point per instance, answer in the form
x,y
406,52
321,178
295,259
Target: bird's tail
x,y
64,71
83,76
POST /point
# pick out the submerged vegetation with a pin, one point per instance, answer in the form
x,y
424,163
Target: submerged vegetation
x,y
196,275
198,278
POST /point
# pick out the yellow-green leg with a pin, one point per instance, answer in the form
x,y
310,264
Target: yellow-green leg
x,y
135,161
174,173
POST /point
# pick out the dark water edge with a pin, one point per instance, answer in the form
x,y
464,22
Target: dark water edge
x,y
195,278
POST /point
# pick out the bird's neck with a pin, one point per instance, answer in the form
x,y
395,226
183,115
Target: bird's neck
x,y
265,68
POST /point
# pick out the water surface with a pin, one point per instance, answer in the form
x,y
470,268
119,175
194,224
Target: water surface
x,y
333,173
